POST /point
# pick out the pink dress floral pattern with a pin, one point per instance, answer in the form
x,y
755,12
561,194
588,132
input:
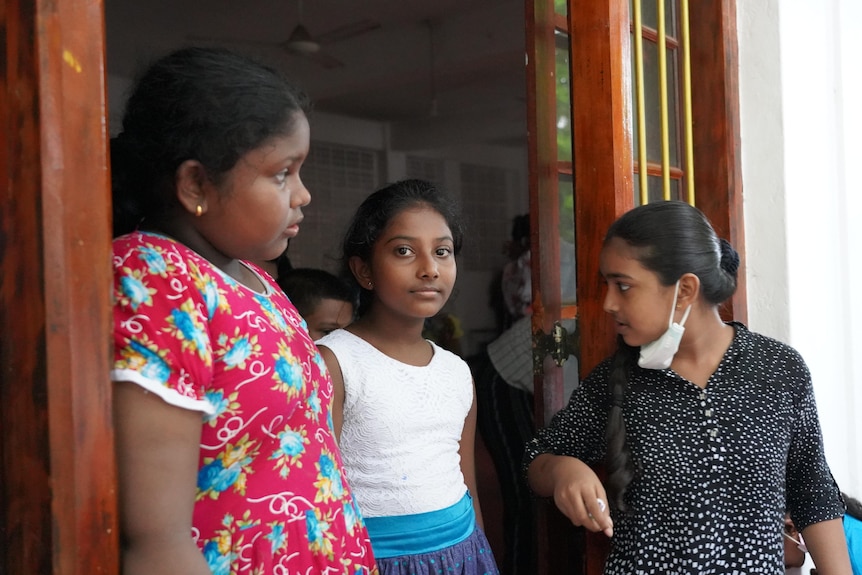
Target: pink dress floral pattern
x,y
272,497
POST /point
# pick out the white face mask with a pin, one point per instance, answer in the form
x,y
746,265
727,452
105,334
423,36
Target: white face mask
x,y
659,354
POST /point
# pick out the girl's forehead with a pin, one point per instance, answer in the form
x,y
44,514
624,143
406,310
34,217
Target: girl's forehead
x,y
617,256
619,248
420,213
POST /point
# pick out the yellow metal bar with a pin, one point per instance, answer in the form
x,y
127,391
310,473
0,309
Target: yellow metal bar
x,y
686,95
662,78
641,106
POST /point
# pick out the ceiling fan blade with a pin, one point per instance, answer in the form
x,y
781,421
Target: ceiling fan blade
x,y
325,60
300,41
347,31
222,41
303,44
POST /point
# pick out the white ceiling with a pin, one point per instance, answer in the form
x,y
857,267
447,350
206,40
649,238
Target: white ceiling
x,y
475,93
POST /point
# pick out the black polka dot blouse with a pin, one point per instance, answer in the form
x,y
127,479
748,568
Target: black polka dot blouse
x,y
716,466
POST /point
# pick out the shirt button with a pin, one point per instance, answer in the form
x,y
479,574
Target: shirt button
x,y
713,433
702,395
708,413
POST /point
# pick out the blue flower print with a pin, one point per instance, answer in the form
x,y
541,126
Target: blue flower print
x,y
321,365
238,349
148,362
227,470
188,328
218,563
319,538
211,298
313,526
313,403
351,517
184,323
208,288
214,476
155,261
271,312
289,377
277,536
290,443
220,403
237,354
136,291
327,466
329,486
289,373
291,446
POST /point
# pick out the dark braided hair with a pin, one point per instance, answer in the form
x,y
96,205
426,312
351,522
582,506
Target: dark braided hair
x,y
618,458
670,238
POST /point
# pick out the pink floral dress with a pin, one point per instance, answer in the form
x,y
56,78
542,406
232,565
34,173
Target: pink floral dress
x,y
272,497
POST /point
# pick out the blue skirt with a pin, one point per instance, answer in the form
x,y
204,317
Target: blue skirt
x,y
472,556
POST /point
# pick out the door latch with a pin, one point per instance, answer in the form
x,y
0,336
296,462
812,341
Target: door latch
x,y
559,344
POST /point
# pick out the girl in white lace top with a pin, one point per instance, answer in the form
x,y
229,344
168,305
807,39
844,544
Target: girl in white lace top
x,y
404,409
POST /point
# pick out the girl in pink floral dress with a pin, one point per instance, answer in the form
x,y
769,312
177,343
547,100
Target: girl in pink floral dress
x,y
227,460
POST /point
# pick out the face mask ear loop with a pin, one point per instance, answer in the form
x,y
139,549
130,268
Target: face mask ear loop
x,y
685,316
673,305
800,544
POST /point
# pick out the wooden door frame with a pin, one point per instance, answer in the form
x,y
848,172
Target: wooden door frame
x,y
604,174
603,179
602,132
56,442
554,552
716,131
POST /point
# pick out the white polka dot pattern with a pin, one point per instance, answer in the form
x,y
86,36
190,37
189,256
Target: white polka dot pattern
x,y
714,464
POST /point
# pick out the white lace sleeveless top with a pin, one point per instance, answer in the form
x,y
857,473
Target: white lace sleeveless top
x,y
402,427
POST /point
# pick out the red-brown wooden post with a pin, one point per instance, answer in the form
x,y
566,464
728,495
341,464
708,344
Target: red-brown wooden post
x,y
58,478
554,551
603,169
717,141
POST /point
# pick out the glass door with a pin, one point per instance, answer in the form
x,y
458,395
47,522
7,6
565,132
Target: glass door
x,y
583,75
581,177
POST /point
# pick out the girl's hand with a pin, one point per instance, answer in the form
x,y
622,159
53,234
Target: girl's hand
x,y
576,489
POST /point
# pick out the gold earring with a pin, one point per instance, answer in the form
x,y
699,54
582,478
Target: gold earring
x,y
370,284
199,211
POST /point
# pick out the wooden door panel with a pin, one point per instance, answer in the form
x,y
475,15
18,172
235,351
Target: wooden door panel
x,y
58,484
603,171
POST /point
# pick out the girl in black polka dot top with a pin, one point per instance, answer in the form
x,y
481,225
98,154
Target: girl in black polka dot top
x,y
707,431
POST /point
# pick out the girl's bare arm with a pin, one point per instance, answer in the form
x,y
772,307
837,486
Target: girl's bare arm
x,y
334,369
828,547
157,448
467,452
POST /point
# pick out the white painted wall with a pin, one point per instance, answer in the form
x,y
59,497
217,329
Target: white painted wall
x,y
801,125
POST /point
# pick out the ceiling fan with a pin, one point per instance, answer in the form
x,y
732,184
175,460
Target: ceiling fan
x,y
300,42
